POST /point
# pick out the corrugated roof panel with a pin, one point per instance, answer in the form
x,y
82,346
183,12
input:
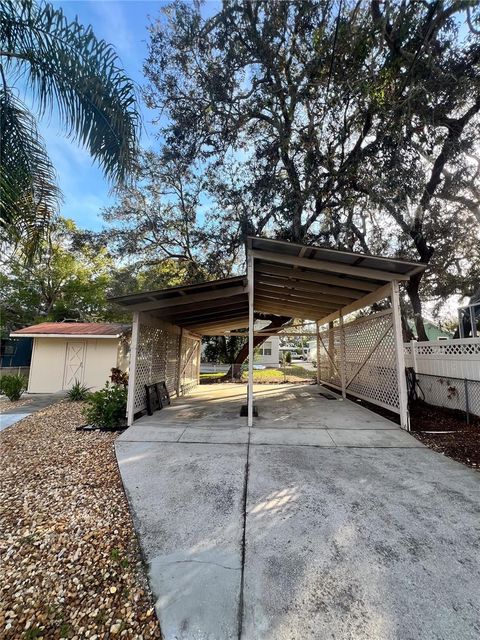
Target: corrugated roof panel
x,y
72,329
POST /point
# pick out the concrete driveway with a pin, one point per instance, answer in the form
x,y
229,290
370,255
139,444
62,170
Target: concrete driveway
x,y
324,521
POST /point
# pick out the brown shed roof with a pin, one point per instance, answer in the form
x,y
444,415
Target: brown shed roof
x,y
80,329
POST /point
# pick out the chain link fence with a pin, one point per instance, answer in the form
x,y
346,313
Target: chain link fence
x,y
453,393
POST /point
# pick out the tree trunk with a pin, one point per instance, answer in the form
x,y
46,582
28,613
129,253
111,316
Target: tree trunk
x,y
412,291
235,371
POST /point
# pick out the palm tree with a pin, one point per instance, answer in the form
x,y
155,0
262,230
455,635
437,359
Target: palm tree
x,y
64,67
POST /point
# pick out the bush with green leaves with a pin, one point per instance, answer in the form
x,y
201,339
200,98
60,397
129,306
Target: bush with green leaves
x,y
288,357
107,408
78,392
13,386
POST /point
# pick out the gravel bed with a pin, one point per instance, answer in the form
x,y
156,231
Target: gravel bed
x,y
8,405
70,565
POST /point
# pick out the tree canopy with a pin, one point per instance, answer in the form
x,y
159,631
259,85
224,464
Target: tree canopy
x,y
353,125
64,283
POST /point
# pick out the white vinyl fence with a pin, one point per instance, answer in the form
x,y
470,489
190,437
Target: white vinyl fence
x,y
448,372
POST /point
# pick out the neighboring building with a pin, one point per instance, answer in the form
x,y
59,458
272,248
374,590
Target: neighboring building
x,y
268,353
433,332
15,352
64,352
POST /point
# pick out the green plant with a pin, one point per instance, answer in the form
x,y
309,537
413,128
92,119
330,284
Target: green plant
x,y
288,357
13,386
107,408
62,64
78,392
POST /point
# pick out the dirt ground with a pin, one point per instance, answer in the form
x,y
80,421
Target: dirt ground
x,y
443,430
446,431
70,564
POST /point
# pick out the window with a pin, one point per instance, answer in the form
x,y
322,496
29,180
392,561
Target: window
x,y
266,349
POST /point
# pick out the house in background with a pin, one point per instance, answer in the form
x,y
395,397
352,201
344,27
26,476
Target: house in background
x,y
64,352
433,332
268,353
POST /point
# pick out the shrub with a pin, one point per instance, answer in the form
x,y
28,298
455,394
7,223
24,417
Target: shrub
x,y
78,392
288,357
107,408
13,386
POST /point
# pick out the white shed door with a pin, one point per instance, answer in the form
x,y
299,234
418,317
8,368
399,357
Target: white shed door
x,y
74,363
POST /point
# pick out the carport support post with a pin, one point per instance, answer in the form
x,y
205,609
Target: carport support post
x,y
132,368
343,368
251,321
399,357
318,352
179,363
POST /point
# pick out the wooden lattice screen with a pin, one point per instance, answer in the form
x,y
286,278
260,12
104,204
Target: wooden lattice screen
x,y
158,356
368,364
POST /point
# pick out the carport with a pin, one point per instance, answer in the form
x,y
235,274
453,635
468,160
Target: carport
x,y
362,356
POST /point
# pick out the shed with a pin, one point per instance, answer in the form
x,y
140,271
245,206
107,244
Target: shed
x,y
64,352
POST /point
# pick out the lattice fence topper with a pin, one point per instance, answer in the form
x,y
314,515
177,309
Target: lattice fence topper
x,y
157,358
449,348
446,358
369,359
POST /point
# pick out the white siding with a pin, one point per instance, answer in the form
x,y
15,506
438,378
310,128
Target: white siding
x,y
271,344
48,363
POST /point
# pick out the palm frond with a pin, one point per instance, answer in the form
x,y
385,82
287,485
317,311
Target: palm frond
x,y
68,68
28,191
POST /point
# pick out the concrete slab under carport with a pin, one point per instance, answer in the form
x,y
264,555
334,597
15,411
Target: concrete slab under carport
x,y
337,540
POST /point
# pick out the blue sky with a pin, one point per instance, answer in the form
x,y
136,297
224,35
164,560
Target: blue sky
x,y
123,23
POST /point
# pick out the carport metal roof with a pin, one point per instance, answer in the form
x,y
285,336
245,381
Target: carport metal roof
x,y
298,281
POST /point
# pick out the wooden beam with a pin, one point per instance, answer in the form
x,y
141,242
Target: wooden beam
x,y
295,311
211,311
179,301
280,301
207,305
277,293
335,294
217,323
374,296
326,265
348,285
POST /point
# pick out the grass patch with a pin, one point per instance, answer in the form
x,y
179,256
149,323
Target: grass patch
x,y
219,374
292,373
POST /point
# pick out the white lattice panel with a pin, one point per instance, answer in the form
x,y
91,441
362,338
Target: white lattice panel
x,y
369,359
190,356
155,354
328,357
370,363
157,358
